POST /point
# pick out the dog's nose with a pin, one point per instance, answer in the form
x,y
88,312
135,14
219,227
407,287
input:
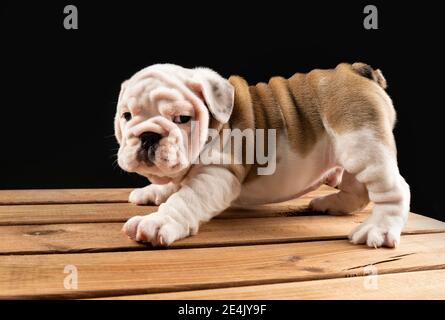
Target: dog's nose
x,y
149,139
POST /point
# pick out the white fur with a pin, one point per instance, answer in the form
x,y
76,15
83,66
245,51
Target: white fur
x,y
194,203
374,165
154,96
153,193
294,175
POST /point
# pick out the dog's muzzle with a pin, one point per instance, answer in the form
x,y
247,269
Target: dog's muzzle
x,y
149,143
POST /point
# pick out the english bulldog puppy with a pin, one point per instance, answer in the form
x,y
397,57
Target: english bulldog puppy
x,y
328,126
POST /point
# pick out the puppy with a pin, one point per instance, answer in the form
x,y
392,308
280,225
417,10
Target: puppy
x,y
328,126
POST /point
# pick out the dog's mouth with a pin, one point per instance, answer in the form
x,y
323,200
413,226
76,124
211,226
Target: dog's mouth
x,y
147,155
164,158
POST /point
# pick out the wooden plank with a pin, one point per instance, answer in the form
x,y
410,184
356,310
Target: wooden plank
x,y
125,273
120,212
70,213
97,237
116,212
45,196
420,285
65,196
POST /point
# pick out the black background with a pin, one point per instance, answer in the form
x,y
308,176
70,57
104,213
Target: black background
x,y
281,309
59,87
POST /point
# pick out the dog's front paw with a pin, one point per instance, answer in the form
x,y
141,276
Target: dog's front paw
x,y
157,228
141,196
152,194
384,231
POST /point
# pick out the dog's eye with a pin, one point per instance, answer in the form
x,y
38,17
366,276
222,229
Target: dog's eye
x,y
126,116
181,119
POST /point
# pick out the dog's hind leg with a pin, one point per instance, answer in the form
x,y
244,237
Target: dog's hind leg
x,y
373,163
352,196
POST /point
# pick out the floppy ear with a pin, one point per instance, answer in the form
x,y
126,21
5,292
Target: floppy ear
x,y
216,91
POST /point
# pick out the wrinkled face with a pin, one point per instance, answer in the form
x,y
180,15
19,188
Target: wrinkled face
x,y
162,118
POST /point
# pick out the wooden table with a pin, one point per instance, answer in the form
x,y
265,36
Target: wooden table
x,y
50,238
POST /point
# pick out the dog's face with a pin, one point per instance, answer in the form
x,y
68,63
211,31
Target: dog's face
x,y
163,115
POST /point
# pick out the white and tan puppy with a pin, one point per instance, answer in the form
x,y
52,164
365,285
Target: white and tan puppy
x,y
329,126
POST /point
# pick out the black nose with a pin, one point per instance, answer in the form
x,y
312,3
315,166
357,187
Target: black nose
x,y
149,139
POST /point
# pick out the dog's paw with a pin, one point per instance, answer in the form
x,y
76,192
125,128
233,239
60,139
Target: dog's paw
x,y
156,228
152,194
384,231
141,196
340,203
327,205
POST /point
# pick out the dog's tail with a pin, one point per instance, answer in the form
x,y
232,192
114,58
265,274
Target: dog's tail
x,y
367,71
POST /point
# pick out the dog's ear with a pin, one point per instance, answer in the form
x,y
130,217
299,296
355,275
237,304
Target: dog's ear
x,y
217,92
117,127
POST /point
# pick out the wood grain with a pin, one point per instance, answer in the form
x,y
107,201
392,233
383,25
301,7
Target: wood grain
x,y
97,237
45,196
67,196
120,212
116,212
70,213
418,285
125,273
262,252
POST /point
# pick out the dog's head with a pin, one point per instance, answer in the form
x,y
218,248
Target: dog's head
x,y
163,115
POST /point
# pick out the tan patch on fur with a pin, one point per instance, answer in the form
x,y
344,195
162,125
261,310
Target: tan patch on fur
x,y
242,118
350,102
274,118
308,124
243,115
348,97
281,104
